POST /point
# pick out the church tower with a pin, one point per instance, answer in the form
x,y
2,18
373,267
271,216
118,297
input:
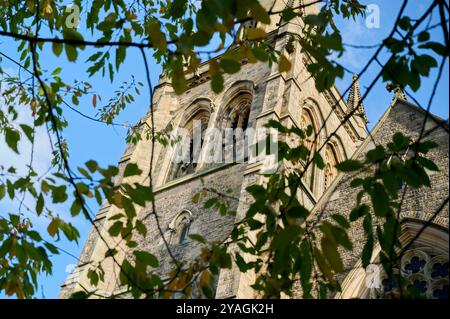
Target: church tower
x,y
251,97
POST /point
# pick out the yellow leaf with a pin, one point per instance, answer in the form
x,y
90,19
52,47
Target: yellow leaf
x,y
205,278
157,37
118,200
256,34
284,65
52,228
214,68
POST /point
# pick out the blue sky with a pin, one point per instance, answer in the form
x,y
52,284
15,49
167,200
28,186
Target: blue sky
x,y
90,140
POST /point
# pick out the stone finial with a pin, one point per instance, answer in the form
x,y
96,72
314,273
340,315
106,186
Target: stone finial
x,y
399,93
354,98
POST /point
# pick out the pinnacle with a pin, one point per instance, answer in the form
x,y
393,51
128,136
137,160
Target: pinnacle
x,y
354,98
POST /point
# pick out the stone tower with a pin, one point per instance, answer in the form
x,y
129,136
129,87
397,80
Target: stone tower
x,y
251,97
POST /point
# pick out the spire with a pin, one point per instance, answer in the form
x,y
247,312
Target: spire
x,y
354,98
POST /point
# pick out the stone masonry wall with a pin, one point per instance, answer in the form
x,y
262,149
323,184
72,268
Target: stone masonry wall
x,y
419,204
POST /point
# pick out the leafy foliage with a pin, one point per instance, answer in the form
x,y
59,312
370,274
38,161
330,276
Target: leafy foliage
x,y
289,245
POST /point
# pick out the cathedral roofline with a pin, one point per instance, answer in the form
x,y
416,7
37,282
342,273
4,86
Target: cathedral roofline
x,y
395,102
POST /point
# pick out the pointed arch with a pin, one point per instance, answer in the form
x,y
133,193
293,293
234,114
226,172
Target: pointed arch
x,y
191,132
199,109
308,118
316,112
331,159
425,265
233,119
179,227
236,106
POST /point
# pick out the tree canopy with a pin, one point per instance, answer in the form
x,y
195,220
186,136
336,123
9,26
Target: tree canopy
x,y
180,34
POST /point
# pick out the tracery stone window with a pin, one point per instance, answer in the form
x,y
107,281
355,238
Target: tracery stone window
x,y
330,170
179,228
233,122
236,113
425,272
190,144
424,268
306,121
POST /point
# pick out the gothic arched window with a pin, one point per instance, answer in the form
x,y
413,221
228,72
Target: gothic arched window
x,y
190,143
330,170
423,269
236,113
179,227
183,230
307,123
233,121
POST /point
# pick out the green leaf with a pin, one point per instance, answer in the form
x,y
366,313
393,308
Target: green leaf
x,y
198,238
72,34
81,295
284,65
141,228
423,36
257,191
59,194
428,164
57,48
390,182
318,160
306,267
28,131
426,146
201,38
115,229
240,262
258,12
120,55
12,137
132,170
230,66
196,198
146,258
157,37
380,200
177,75
437,47
423,64
341,220
57,71
298,211
256,34
367,250
329,249
51,248
405,23
323,265
2,191
376,155
75,208
211,202
349,166
217,83
53,227
71,52
358,212
254,224
92,166
93,277
39,204
367,224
